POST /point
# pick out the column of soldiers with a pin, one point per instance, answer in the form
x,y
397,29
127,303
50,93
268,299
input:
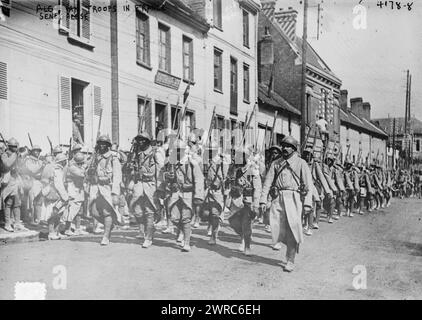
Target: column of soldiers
x,y
179,184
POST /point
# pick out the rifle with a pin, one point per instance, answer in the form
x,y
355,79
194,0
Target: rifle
x,y
306,139
30,140
99,123
176,113
70,149
265,136
248,124
272,129
3,140
211,127
51,145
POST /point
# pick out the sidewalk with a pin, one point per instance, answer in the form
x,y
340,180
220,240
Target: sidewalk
x,y
18,237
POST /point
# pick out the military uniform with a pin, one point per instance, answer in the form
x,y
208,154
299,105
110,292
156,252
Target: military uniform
x,y
74,176
291,183
183,182
11,188
330,199
105,177
145,203
214,196
243,198
33,167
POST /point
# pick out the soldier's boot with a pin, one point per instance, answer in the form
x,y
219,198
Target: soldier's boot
x,y
7,217
18,226
242,245
108,225
180,237
149,233
187,232
248,251
37,214
209,230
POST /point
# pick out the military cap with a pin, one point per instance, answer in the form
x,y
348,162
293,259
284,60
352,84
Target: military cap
x,y
77,147
36,147
289,140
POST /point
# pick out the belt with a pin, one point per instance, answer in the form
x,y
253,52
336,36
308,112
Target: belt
x,y
104,183
288,189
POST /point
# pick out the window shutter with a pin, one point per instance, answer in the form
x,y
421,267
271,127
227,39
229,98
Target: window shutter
x,y
168,50
3,80
191,60
97,101
64,23
148,117
147,40
86,19
65,110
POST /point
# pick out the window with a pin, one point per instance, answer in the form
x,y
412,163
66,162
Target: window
x,y
217,21
418,145
5,8
245,28
144,115
218,69
164,54
187,58
246,83
233,85
142,39
79,18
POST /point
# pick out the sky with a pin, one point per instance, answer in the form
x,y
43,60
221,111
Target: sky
x,y
371,62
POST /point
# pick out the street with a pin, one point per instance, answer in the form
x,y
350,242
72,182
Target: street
x,y
386,243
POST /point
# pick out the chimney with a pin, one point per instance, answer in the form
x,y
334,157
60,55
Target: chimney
x,y
366,108
287,19
343,100
268,8
356,106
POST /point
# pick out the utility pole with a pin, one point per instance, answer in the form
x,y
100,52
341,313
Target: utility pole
x,y
409,119
304,107
405,136
394,144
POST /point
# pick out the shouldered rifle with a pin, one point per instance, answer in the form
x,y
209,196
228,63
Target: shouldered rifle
x,y
3,140
51,145
30,140
272,129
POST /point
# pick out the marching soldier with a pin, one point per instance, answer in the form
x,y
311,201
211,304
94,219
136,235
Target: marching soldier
x,y
11,187
330,199
145,202
33,169
307,155
195,151
184,182
350,179
290,181
243,198
104,178
75,175
55,195
337,169
214,197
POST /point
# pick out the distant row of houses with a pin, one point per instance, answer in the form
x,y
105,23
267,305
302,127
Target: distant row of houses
x,y
140,59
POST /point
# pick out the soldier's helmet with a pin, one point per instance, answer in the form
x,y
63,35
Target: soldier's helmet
x,y
61,158
77,147
104,139
79,157
275,148
143,136
57,150
13,142
36,148
289,140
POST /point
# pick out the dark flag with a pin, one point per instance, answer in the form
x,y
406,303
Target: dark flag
x,y
186,93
